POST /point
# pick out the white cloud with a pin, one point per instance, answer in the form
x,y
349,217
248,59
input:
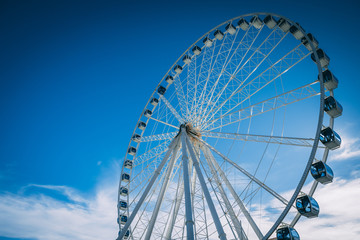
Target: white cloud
x,y
350,148
339,216
40,216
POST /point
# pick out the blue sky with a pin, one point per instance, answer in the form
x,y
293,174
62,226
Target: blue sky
x,y
75,76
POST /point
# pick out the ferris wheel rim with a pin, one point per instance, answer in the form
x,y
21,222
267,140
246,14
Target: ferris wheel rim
x,y
320,118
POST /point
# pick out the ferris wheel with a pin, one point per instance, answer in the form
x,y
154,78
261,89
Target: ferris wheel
x,y
229,136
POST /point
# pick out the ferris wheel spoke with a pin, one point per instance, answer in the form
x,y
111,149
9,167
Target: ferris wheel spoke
x,y
157,172
158,137
246,173
276,70
140,220
270,104
218,64
294,141
205,71
259,55
150,154
177,201
237,225
161,194
243,46
172,109
180,95
218,169
168,124
209,201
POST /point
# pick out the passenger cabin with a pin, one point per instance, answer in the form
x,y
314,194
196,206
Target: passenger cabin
x,y
284,25
196,50
296,32
125,177
307,43
332,107
330,81
128,164
186,59
307,206
169,79
136,138
243,24
122,205
161,90
154,101
324,59
256,22
230,28
270,21
124,191
330,138
127,234
219,35
142,125
321,172
207,41
147,113
178,69
122,219
132,151
287,233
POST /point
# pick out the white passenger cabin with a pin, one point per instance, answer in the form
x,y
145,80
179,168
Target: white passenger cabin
x,y
161,90
196,50
256,22
132,151
270,21
230,29
330,138
332,107
128,164
186,59
324,59
169,79
147,113
123,191
219,35
178,69
136,138
284,25
296,31
207,41
142,125
243,24
312,40
330,81
125,177
154,101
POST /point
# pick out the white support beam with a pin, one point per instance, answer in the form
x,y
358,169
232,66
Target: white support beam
x,y
188,205
177,201
240,232
303,142
250,176
172,109
206,192
233,193
160,198
172,145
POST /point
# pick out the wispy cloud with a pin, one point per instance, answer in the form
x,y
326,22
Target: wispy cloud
x,y
37,215
350,148
339,212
